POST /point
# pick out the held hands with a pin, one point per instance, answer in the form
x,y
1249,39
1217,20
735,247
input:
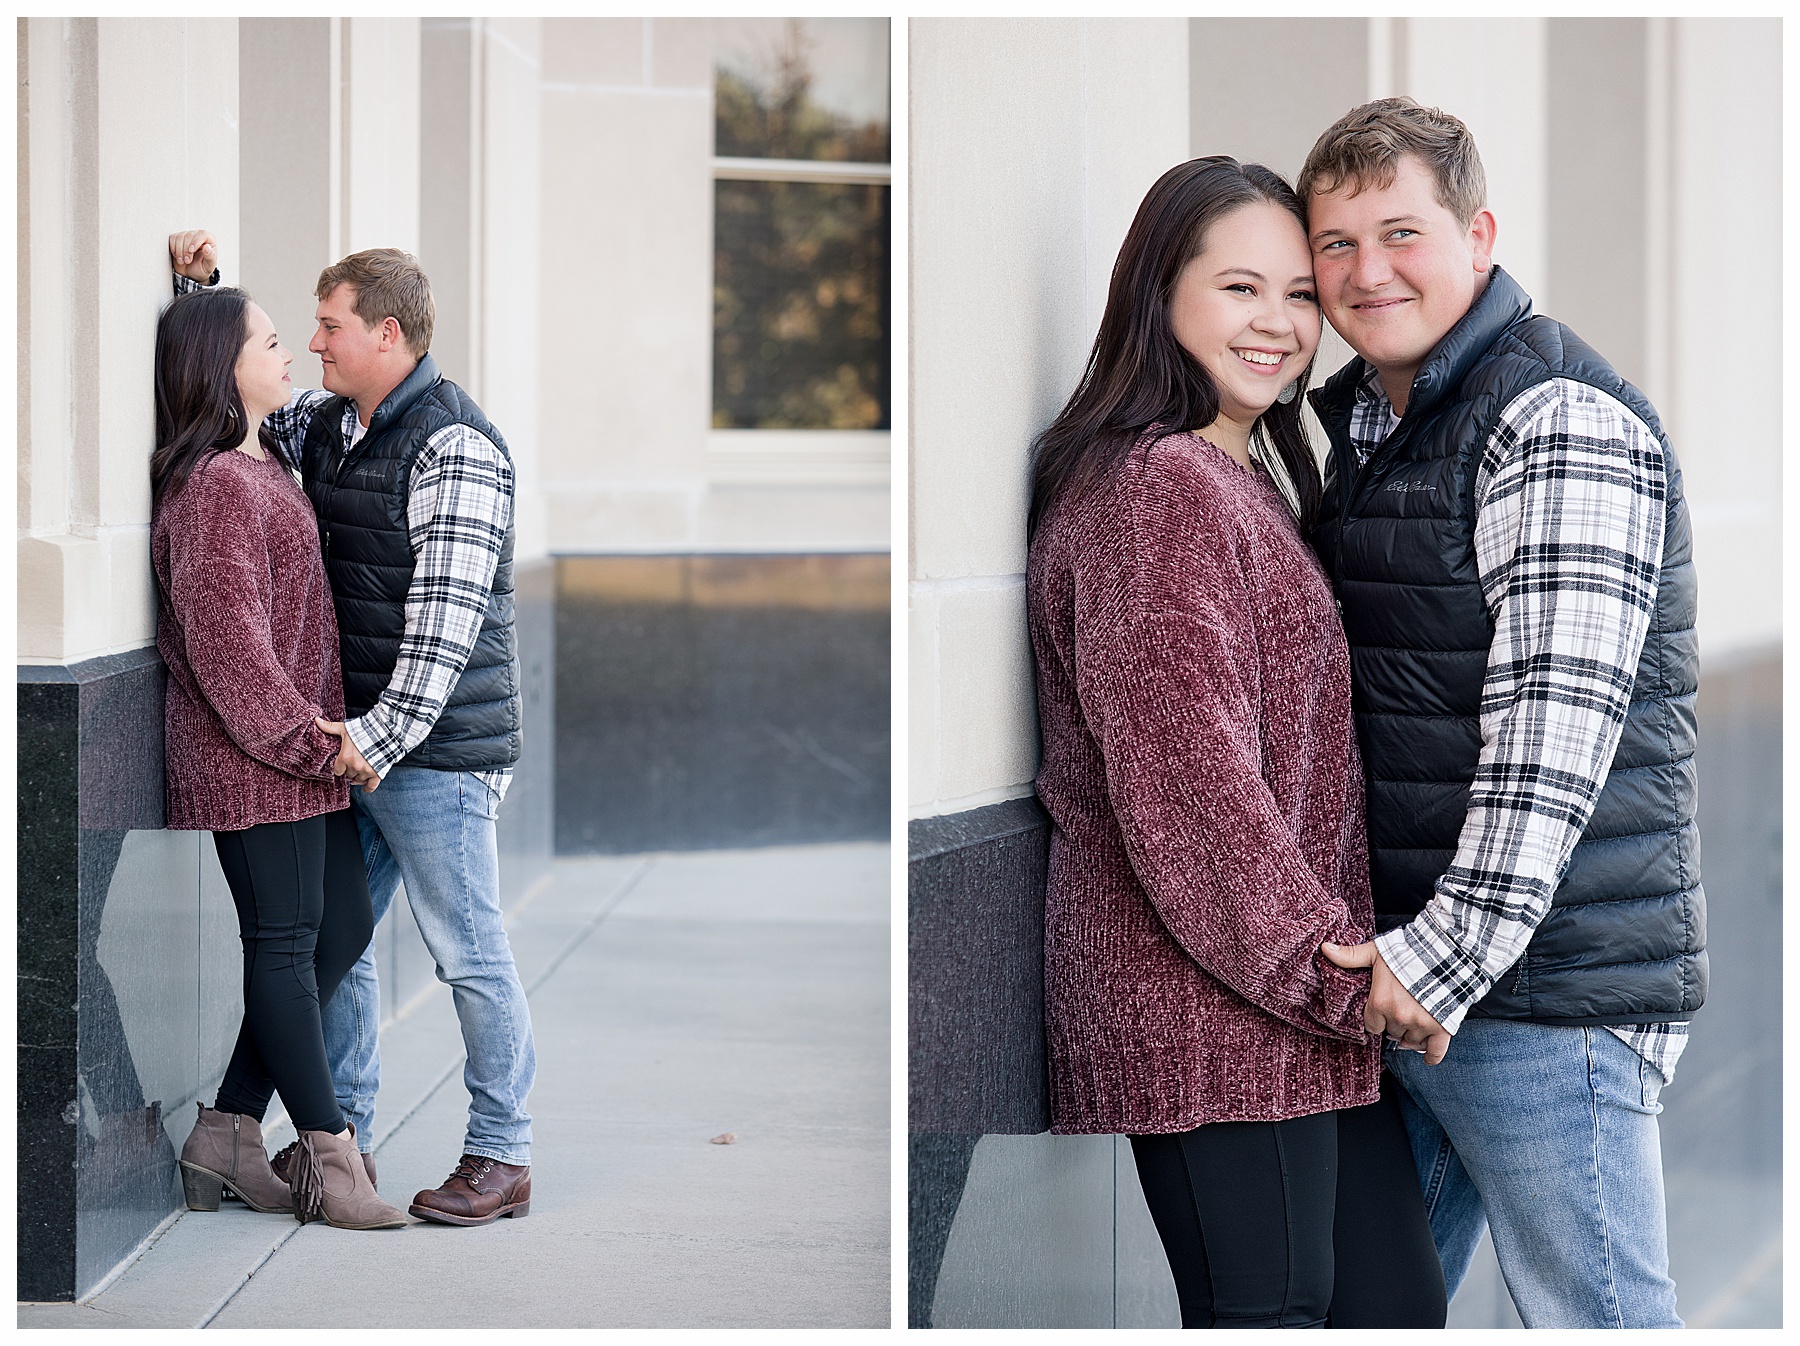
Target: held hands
x,y
349,762
1391,1010
194,253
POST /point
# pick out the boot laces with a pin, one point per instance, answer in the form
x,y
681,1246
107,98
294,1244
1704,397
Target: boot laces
x,y
471,1168
285,1153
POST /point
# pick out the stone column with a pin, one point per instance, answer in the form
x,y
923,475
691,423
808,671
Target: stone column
x,y
626,316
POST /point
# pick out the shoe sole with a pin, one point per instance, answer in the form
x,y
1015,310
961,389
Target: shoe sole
x,y
390,1224
322,1218
202,1188
513,1212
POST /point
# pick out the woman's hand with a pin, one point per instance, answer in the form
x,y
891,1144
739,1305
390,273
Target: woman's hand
x,y
1391,1009
349,762
194,253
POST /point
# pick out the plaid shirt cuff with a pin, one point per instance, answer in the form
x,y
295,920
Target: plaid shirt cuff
x,y
187,285
379,744
1433,967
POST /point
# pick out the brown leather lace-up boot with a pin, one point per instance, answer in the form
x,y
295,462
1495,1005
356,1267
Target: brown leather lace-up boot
x,y
285,1155
479,1191
225,1149
330,1183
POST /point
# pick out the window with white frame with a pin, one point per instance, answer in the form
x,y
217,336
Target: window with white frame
x,y
800,208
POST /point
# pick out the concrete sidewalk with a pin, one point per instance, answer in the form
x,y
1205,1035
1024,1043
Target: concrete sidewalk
x,y
674,998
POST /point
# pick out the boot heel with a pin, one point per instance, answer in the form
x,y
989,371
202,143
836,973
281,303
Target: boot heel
x,y
519,1211
201,1188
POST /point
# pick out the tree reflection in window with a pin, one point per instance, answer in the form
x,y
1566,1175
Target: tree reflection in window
x,y
800,273
766,109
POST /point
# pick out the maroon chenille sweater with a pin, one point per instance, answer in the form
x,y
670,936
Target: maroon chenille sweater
x,y
246,627
1201,772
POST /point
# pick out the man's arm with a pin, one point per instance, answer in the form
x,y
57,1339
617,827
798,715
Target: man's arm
x,y
458,512
1568,541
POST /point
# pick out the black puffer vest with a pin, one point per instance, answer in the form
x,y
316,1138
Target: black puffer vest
x,y
1624,940
360,499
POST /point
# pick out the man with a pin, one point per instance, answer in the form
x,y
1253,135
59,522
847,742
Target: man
x,y
414,493
1505,530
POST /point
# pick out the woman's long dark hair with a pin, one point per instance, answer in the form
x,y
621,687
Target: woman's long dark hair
x,y
199,411
1138,375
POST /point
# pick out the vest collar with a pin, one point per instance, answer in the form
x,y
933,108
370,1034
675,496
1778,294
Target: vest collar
x,y
1500,304
423,376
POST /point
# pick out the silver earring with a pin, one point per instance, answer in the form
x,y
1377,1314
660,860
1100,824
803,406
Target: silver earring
x,y
1289,393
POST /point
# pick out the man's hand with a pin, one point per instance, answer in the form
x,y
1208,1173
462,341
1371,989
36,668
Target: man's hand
x,y
349,762
194,253
1391,1010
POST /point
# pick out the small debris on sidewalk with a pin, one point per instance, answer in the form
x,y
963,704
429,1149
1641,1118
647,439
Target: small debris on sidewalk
x,y
724,1138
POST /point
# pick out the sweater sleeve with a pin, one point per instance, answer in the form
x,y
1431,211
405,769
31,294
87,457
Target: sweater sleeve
x,y
219,589
1168,675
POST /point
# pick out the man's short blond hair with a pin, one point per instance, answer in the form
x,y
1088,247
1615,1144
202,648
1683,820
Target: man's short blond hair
x,y
1363,149
389,284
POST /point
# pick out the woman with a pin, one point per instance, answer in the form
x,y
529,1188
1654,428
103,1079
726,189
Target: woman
x,y
1201,773
246,627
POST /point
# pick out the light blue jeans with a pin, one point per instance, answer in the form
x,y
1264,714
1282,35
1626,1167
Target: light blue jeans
x,y
434,830
1547,1135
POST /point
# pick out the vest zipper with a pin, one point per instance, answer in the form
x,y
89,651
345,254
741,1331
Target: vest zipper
x,y
345,451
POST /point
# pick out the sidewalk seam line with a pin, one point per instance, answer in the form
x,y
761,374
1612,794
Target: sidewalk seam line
x,y
625,889
555,963
233,1292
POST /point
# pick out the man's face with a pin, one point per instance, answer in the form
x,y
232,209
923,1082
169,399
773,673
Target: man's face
x,y
1395,269
353,354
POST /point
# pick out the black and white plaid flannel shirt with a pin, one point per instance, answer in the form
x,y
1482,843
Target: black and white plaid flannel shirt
x,y
1570,487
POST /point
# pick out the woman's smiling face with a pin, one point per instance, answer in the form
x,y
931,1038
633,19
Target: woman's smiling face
x,y
262,365
1246,310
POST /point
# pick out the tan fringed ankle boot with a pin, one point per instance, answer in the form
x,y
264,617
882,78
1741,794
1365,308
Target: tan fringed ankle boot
x,y
330,1183
225,1149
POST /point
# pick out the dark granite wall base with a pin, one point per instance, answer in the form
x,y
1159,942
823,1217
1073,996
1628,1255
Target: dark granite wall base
x,y
975,1009
49,938
159,1006
937,1170
710,701
975,971
96,1171
1020,1230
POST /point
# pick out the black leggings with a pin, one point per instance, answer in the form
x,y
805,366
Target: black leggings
x,y
1312,1222
304,918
